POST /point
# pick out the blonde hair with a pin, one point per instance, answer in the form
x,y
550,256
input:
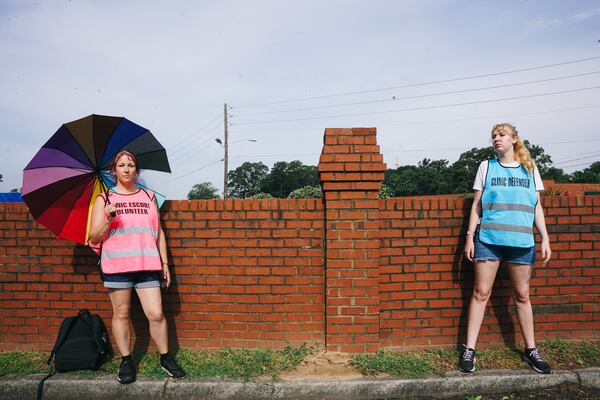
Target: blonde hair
x,y
522,155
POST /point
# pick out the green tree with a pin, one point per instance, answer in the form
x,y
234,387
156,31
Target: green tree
x,y
557,175
204,190
428,177
542,160
462,172
246,180
403,181
433,177
590,174
286,177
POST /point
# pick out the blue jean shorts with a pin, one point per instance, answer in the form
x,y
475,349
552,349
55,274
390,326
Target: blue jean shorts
x,y
492,252
138,280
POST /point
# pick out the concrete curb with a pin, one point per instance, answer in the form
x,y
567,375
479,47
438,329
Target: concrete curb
x,y
451,385
589,377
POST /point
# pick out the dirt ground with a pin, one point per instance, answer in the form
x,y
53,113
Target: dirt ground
x,y
323,365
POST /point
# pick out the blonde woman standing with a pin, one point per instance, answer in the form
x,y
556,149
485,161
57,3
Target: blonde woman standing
x,y
505,208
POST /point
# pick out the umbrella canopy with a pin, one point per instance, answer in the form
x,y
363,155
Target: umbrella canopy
x,y
62,181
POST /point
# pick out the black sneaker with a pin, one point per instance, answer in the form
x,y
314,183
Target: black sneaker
x,y
171,367
467,360
126,371
533,358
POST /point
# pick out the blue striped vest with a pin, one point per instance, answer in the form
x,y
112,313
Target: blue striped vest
x,y
508,206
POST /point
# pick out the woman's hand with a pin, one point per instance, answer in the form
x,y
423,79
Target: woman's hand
x,y
546,251
166,274
110,211
469,251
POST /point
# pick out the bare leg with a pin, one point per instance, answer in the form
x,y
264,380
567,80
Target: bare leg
x,y
152,304
121,302
485,273
519,276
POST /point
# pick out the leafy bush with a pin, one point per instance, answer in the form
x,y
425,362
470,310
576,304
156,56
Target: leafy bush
x,y
385,192
261,195
306,192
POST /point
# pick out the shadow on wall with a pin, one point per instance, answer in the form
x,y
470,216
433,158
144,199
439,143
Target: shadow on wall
x,y
499,307
86,268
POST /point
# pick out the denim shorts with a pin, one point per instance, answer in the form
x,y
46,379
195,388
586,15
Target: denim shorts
x,y
138,280
492,252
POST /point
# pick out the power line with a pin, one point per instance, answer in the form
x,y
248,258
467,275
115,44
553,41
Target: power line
x,y
194,133
424,107
582,154
571,141
394,99
577,165
402,151
419,84
460,148
196,170
577,159
207,133
439,121
189,151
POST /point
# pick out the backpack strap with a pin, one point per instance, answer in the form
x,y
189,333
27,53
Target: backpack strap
x,y
40,388
97,332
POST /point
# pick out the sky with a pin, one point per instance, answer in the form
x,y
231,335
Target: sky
x,y
432,76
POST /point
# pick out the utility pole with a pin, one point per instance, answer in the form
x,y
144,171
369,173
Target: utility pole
x,y
225,146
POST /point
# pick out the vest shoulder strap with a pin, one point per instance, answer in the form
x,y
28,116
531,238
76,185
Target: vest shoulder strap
x,y
150,196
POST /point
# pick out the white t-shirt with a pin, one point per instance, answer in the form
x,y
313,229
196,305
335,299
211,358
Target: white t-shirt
x,y
482,172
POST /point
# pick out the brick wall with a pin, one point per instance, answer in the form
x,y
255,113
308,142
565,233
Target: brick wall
x,y
248,273
571,189
425,284
348,271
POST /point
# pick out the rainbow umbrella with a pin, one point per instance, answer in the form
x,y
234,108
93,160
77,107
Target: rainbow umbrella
x,y
62,181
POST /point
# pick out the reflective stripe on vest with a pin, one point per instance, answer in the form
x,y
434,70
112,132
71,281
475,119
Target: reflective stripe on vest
x,y
508,206
132,230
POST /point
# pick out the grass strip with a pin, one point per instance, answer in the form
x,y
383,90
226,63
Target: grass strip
x,y
250,364
246,364
558,353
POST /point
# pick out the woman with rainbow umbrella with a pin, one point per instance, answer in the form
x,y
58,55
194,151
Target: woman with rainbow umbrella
x,y
96,181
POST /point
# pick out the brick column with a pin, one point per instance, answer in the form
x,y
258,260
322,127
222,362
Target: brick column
x,y
351,171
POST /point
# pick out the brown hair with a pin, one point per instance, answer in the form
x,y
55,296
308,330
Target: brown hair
x,y
522,155
113,166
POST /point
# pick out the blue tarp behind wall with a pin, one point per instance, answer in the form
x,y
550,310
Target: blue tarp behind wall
x,y
12,197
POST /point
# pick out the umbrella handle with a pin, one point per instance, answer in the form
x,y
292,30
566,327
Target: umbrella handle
x,y
113,213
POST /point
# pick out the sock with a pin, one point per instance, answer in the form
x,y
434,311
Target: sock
x,y
163,356
126,358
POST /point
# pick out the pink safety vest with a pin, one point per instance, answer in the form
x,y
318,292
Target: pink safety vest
x,y
131,242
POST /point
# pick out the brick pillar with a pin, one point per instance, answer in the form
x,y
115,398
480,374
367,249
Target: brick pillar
x,y
351,171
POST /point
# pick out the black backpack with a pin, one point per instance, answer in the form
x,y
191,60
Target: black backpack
x,y
82,343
